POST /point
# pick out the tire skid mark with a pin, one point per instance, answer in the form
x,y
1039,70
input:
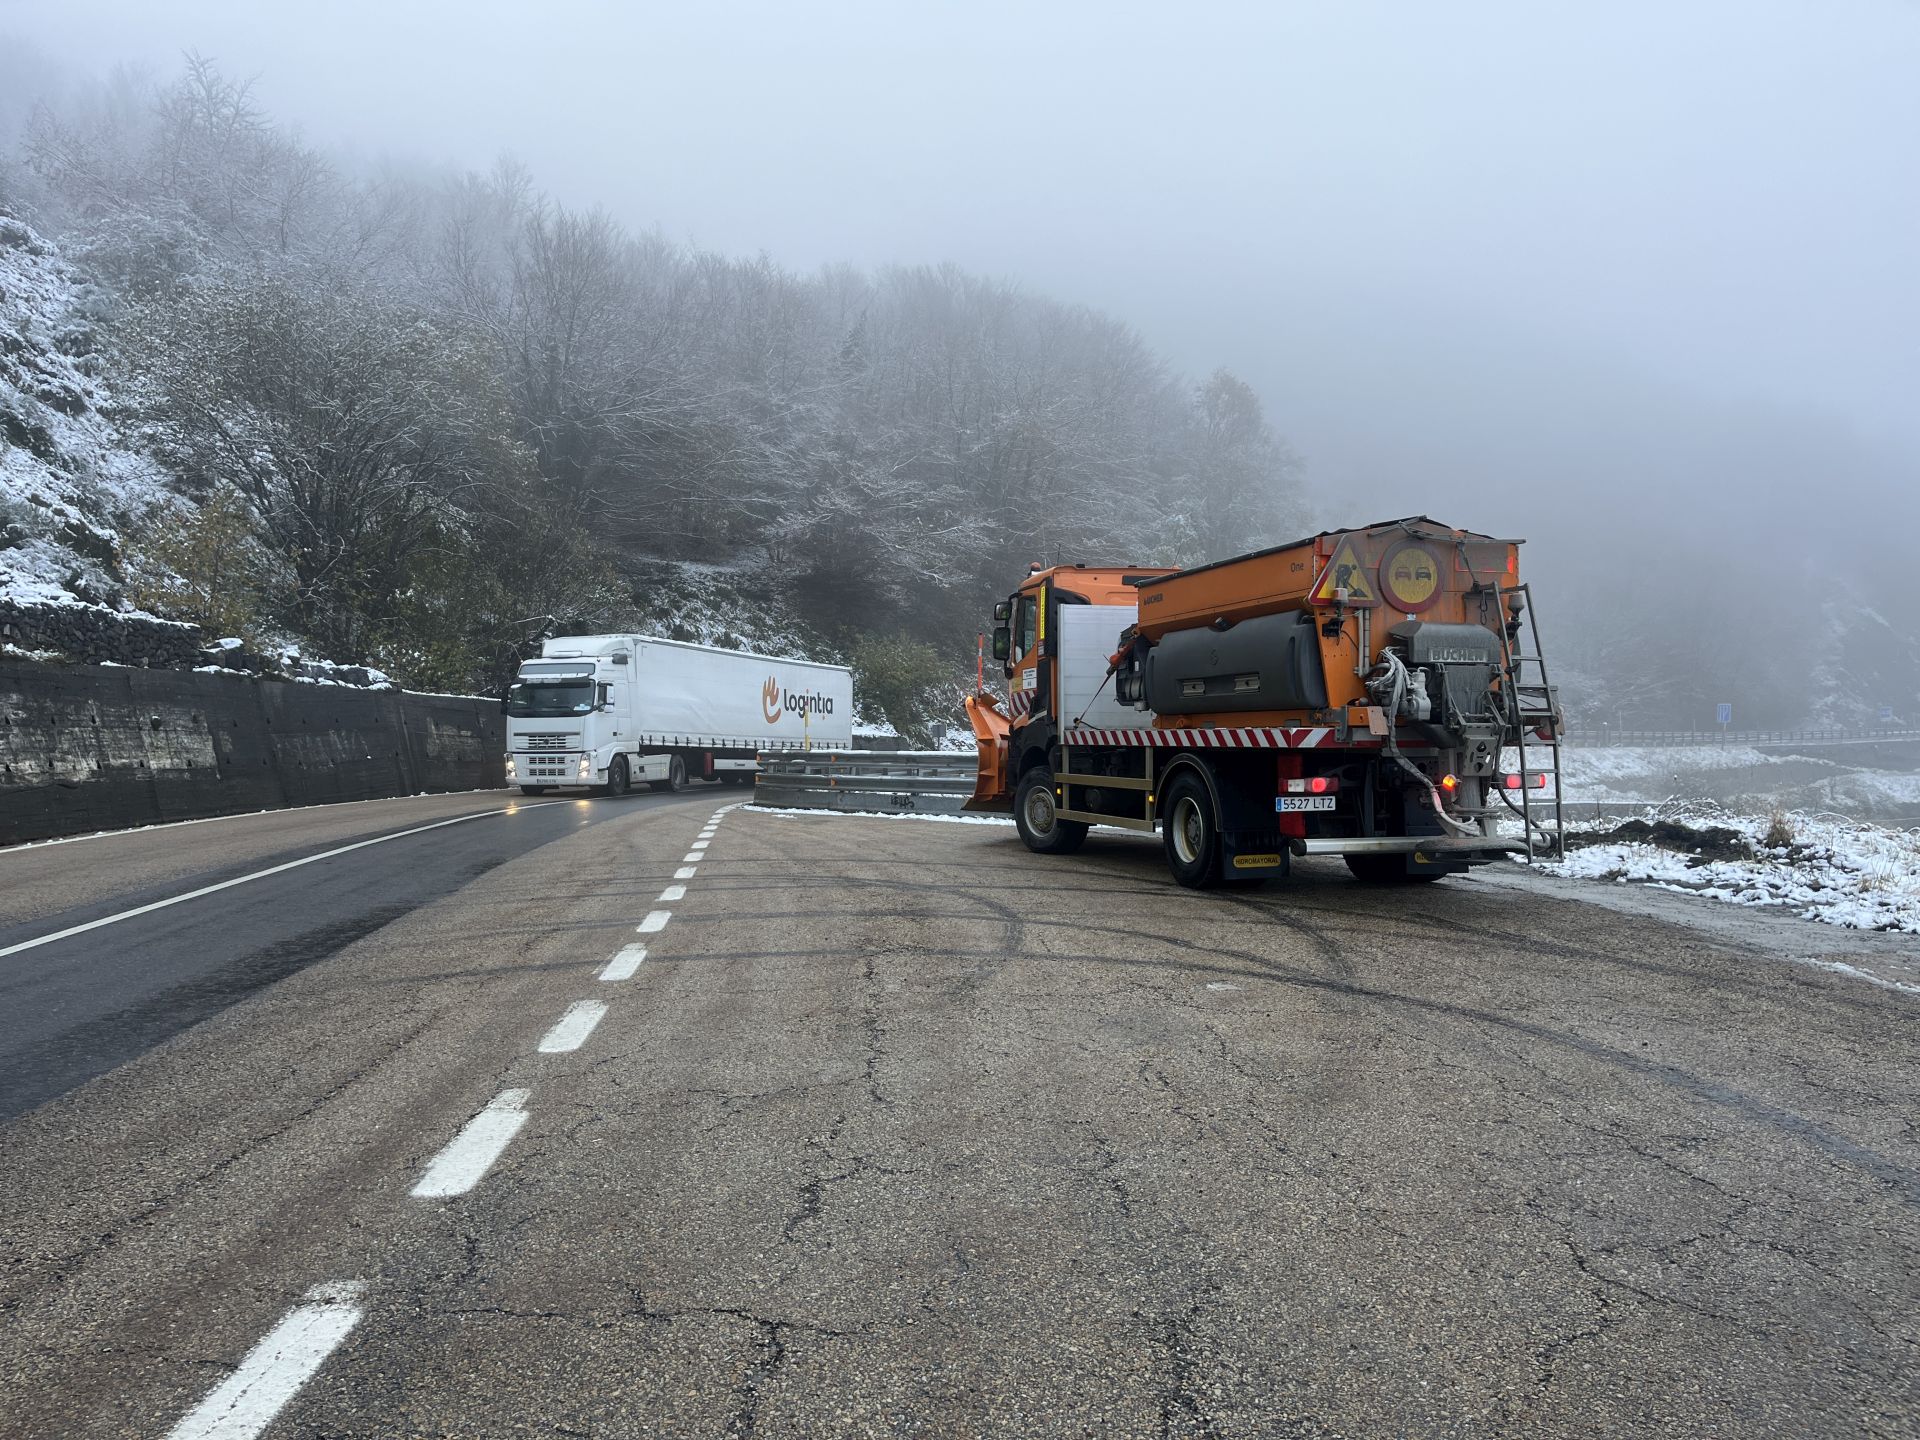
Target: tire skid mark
x,y
1719,1094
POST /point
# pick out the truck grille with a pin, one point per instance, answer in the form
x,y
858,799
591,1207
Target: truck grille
x,y
549,741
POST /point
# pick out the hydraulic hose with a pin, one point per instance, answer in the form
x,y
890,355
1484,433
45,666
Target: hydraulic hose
x,y
1397,681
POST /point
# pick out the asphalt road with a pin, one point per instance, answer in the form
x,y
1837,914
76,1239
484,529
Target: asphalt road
x,y
896,1129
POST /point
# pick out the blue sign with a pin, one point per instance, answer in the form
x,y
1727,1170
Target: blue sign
x,y
1725,713
1886,714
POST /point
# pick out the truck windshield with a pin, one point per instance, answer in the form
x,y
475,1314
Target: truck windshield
x,y
551,697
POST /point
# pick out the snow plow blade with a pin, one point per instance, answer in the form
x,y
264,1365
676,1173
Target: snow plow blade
x,y
990,727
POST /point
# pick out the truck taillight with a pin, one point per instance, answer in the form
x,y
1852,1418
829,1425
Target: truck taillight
x,y
1535,781
1449,783
1312,785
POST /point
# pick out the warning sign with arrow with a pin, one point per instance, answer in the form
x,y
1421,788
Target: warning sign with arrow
x,y
1343,572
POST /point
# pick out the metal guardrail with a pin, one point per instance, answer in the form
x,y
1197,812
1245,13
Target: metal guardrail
x,y
1605,738
897,782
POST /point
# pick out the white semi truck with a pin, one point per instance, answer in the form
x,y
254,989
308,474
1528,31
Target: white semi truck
x,y
609,712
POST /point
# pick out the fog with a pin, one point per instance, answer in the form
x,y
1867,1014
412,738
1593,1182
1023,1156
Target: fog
x,y
1591,276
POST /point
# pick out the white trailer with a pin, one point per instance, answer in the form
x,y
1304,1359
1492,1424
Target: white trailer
x,y
609,712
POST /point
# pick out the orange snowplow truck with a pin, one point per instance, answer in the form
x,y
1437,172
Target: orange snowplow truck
x,y
1377,694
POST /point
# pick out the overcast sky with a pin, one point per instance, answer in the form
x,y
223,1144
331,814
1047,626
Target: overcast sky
x,y
1645,255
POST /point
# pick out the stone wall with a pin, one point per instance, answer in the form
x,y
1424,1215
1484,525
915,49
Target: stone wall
x,y
99,636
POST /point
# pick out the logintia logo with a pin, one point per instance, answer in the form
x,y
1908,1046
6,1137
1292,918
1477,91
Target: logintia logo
x,y
774,701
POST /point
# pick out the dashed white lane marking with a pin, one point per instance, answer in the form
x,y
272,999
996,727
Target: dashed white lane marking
x,y
700,845
672,893
708,833
471,1153
622,966
261,875
244,1404
693,857
655,922
571,1030
686,872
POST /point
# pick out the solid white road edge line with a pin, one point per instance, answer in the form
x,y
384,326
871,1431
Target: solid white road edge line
x,y
571,1030
622,966
672,893
261,875
244,1404
471,1153
685,872
655,922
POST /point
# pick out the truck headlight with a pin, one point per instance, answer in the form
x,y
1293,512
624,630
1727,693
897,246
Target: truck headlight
x,y
509,767
586,767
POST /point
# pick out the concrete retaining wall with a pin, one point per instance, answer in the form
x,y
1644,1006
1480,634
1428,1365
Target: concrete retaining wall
x,y
85,748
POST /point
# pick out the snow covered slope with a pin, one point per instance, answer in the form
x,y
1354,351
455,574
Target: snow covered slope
x,y
1841,779
71,484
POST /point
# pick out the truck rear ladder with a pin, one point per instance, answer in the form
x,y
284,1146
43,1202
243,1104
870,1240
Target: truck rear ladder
x,y
1532,709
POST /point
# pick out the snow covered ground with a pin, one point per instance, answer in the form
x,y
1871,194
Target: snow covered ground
x,y
1850,856
791,814
1821,867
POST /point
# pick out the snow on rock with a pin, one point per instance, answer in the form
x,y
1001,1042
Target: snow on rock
x,y
70,481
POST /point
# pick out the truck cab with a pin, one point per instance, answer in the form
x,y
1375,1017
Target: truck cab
x,y
568,714
1027,637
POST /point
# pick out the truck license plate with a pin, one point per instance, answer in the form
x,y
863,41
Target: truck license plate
x,y
1285,803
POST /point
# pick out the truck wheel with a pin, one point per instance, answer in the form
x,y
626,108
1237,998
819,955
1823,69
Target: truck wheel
x,y
617,782
676,775
1036,816
1190,833
1386,870
533,789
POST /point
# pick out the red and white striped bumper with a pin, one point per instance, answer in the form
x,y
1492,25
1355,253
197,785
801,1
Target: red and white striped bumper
x,y
1263,738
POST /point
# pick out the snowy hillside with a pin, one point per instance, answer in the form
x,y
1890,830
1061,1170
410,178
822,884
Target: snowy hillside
x,y
1860,782
70,483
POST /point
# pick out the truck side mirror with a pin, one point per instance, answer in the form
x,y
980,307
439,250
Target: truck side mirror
x,y
1002,636
1003,612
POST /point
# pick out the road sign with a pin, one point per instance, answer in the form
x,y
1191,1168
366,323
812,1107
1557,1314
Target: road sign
x,y
1343,572
1886,714
1724,713
1410,576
